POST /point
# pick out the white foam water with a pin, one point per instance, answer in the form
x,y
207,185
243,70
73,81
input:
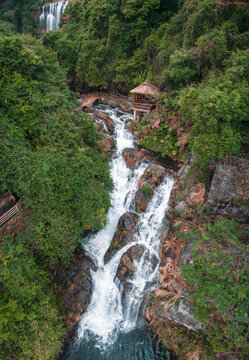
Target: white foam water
x,y
51,15
110,311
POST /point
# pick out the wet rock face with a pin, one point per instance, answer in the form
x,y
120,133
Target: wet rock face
x,y
127,266
123,104
76,284
124,233
107,144
149,181
129,263
104,117
134,157
228,193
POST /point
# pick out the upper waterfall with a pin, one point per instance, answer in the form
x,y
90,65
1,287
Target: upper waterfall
x,y
51,14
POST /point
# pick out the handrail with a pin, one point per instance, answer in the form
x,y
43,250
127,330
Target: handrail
x,y
143,106
89,99
11,212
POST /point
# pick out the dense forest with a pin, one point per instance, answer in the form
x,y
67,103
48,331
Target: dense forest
x,y
198,53
50,156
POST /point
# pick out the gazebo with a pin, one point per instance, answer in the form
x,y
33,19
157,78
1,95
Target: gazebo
x,y
142,99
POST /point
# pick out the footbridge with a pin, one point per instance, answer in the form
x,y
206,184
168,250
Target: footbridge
x,y
89,99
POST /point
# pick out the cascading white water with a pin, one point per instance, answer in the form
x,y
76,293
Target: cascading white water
x,y
51,14
149,230
108,313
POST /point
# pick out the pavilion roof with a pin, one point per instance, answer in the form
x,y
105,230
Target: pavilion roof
x,y
146,88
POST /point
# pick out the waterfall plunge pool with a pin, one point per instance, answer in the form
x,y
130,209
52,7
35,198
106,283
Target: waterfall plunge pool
x,y
135,345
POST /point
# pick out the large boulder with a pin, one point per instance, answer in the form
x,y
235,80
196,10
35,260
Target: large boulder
x,y
123,235
228,195
106,119
181,311
107,144
129,263
180,209
149,181
133,157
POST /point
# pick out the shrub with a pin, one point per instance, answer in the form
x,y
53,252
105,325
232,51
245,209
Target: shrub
x,y
147,190
219,279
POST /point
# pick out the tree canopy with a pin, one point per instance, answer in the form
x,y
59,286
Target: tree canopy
x,y
49,154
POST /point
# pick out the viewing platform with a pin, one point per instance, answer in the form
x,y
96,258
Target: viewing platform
x,y
142,100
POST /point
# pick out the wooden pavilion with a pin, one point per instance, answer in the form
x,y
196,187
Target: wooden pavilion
x,y
142,100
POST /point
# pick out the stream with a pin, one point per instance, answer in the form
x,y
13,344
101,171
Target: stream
x,y
111,328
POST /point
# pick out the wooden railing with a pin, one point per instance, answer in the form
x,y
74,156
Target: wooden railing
x,y
11,212
89,99
143,106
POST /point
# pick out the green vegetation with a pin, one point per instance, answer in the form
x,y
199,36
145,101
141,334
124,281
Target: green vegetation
x,y
219,278
147,190
197,52
216,111
187,345
22,15
110,44
50,156
30,322
157,138
202,64
212,117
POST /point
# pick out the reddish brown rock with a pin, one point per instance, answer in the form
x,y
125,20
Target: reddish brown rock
x,y
130,158
134,157
127,265
129,262
107,144
104,117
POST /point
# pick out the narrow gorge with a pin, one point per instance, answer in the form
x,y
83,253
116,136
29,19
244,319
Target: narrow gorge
x,y
112,326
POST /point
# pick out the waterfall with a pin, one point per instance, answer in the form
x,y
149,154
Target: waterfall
x,y
51,14
110,313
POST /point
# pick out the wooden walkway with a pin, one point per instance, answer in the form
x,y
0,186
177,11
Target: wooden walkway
x,y
11,212
89,99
